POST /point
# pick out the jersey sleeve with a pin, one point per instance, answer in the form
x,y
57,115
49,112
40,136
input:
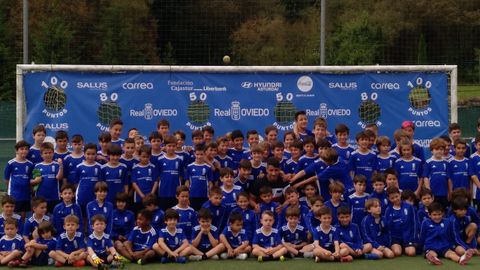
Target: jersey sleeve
x,y
7,171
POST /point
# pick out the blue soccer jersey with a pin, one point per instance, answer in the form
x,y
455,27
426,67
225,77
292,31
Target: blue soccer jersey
x,y
311,221
290,166
99,243
402,223
17,217
11,244
317,168
62,210
170,172
282,217
87,176
49,188
96,208
18,175
266,240
225,162
382,197
199,175
235,239
144,177
102,157
422,214
339,171
249,221
271,206
295,235
236,156
187,220
257,170
326,237
158,219
69,244
459,226
173,240
142,240
364,164
32,223
475,165
436,236
245,184
57,155
230,197
34,155
343,151
357,204
334,207
350,235
384,163
129,162
409,173
116,179
120,142
70,164
375,231
459,172
205,244
123,223
218,214
304,162
50,243
437,173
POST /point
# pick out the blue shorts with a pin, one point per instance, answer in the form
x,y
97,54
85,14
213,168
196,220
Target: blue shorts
x,y
41,260
330,248
402,243
440,251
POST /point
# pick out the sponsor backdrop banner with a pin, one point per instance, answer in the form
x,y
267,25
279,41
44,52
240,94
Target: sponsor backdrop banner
x,y
86,103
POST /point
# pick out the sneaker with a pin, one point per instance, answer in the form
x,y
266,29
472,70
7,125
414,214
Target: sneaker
x,y
58,264
14,263
123,259
80,263
466,257
195,258
163,260
308,255
214,257
434,260
347,258
241,256
224,256
282,258
181,260
51,261
260,259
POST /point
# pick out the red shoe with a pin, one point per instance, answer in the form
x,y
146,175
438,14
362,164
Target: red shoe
x,y
59,264
347,258
80,263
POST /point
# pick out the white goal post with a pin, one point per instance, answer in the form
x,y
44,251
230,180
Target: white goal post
x,y
23,69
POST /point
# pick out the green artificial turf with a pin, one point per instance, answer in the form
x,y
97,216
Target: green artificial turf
x,y
402,263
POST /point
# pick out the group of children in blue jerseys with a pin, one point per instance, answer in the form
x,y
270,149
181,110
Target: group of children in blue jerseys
x,y
311,195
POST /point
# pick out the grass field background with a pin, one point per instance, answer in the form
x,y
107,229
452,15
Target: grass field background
x,y
402,263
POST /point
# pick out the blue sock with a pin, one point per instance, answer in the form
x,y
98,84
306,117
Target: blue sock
x,y
372,256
